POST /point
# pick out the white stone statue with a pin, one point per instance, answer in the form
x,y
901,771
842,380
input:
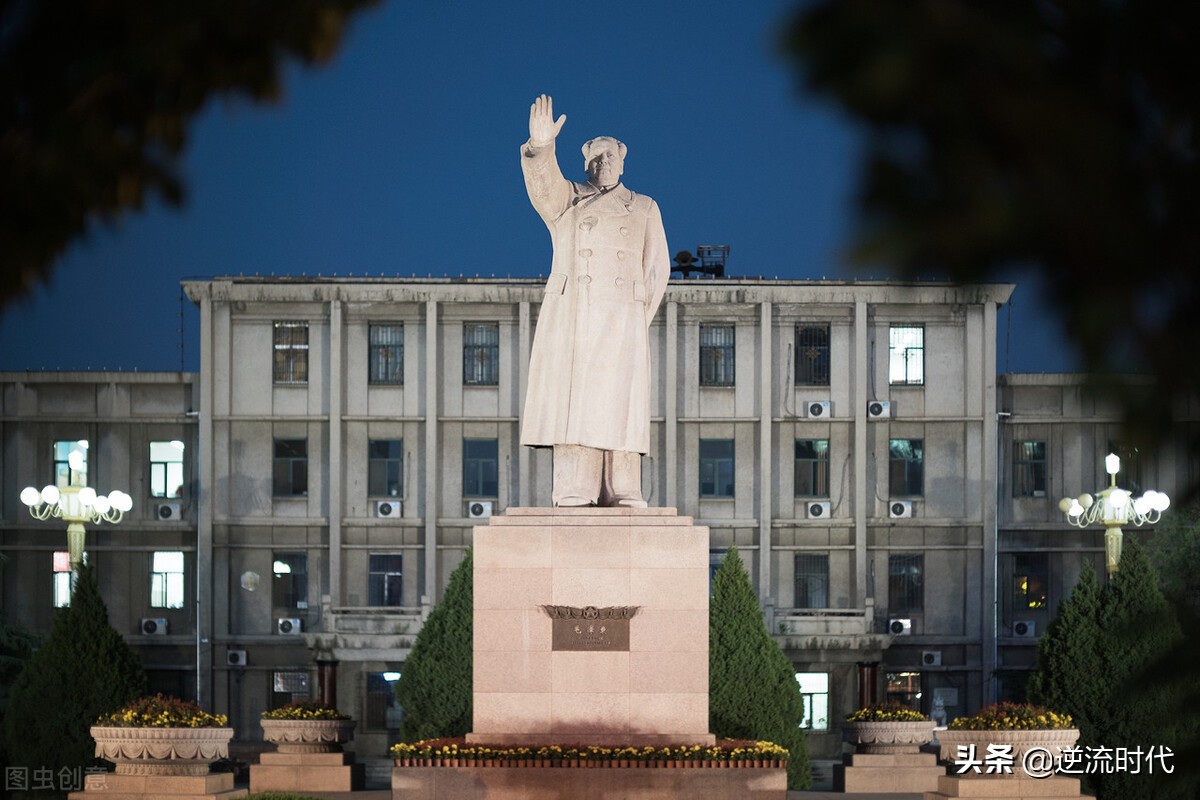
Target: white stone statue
x,y
589,373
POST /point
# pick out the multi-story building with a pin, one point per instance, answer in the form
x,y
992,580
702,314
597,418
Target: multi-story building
x,y
895,502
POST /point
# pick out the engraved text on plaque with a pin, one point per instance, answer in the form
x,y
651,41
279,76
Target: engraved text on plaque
x,y
590,628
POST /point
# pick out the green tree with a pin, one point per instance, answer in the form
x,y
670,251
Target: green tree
x,y
84,669
753,693
1067,676
1055,137
435,687
16,646
98,97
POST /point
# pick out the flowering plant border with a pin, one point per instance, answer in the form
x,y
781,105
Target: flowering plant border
x,y
1008,716
304,710
162,711
457,752
886,712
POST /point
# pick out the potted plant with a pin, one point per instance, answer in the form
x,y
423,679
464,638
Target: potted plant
x,y
888,728
307,727
162,735
1021,726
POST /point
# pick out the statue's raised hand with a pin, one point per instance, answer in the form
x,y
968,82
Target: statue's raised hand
x,y
543,128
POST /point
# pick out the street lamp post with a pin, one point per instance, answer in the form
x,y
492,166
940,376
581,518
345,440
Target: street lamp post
x,y
1114,507
76,504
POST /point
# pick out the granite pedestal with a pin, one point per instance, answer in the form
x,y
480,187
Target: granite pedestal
x,y
1010,787
111,786
306,772
867,773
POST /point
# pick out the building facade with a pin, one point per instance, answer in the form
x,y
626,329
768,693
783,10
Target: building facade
x,y
886,490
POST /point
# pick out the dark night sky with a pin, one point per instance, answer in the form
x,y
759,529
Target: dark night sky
x,y
400,158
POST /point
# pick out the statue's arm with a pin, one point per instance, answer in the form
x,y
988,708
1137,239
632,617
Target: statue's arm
x,y
656,261
548,190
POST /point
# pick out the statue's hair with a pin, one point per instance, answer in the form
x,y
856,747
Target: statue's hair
x,y
587,147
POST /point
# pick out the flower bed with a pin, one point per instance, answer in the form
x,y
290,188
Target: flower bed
x,y
161,711
305,710
1013,717
726,753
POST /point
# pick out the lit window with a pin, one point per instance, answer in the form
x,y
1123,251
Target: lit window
x,y
291,352
288,687
291,467
812,355
906,582
812,581
481,354
385,467
1029,469
382,709
906,467
814,688
384,574
905,689
481,468
289,586
716,467
812,468
716,355
906,354
386,354
62,578
1029,579
67,473
166,579
166,469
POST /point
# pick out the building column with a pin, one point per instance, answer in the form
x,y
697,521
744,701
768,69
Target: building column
x,y
336,471
766,471
671,409
990,470
204,521
432,463
859,400
524,346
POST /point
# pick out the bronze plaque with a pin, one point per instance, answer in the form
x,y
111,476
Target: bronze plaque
x,y
590,628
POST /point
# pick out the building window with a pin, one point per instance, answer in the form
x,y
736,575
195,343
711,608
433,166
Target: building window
x,y
166,579
289,587
812,581
906,467
288,687
716,355
291,352
814,689
904,688
906,582
291,467
62,578
1025,582
812,355
716,467
384,572
812,468
385,467
386,354
715,559
166,469
481,468
481,354
906,355
67,473
1029,469
382,710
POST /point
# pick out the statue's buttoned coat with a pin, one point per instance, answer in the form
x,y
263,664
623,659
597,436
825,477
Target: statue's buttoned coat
x,y
589,372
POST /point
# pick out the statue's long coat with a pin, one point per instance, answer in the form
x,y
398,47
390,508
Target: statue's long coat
x,y
589,372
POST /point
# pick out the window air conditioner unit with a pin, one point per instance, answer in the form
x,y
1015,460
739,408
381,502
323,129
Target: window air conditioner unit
x,y
479,509
235,658
931,658
900,627
818,509
818,408
288,626
387,508
900,509
1025,629
168,511
154,626
879,409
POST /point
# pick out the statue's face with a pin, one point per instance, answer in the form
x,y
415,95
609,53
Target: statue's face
x,y
605,165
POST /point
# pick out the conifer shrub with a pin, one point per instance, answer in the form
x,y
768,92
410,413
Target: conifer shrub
x,y
753,693
435,688
83,670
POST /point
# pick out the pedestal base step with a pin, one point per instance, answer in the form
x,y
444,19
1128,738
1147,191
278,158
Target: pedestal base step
x,y
306,772
532,783
110,786
907,772
1004,788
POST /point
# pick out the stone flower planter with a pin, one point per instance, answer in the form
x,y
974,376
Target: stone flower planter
x,y
308,735
1055,741
890,737
161,751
